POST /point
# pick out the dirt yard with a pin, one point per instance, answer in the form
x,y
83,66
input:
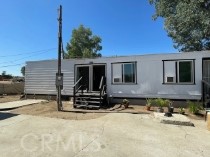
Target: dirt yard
x,y
8,98
50,110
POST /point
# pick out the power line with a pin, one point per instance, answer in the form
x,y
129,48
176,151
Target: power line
x,y
29,52
11,65
25,57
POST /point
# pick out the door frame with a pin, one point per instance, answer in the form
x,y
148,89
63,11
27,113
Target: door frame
x,y
90,73
75,72
203,59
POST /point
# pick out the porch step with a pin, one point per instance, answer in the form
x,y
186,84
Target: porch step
x,y
87,106
88,102
93,107
95,98
89,94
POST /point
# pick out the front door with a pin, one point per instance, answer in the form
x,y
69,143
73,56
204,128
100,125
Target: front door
x,y
83,71
91,76
98,72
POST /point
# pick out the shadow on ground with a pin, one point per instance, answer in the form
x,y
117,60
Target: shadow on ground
x,y
7,115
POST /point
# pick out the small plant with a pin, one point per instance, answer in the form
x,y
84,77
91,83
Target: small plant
x,y
181,110
125,102
194,107
149,102
162,102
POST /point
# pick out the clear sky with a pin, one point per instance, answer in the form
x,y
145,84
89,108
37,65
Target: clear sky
x,y
28,29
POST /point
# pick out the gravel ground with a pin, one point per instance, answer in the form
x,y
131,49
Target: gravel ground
x,y
9,98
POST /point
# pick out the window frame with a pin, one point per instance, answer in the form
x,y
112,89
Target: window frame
x,y
192,72
122,77
177,75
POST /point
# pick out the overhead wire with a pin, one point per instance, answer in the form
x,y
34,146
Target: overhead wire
x,y
11,65
26,53
41,52
24,57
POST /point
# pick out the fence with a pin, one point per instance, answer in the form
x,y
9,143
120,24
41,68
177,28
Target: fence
x,y
11,88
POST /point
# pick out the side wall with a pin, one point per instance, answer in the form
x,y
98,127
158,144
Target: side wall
x,y
150,80
40,77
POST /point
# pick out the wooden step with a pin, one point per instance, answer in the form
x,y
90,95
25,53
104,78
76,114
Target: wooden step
x,y
93,107
79,106
88,102
87,106
95,98
89,94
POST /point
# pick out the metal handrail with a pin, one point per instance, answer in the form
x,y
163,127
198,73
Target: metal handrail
x,y
78,89
77,81
75,91
101,82
102,87
205,82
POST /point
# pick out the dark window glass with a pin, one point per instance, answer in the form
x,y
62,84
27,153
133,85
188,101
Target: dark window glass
x,y
185,71
129,73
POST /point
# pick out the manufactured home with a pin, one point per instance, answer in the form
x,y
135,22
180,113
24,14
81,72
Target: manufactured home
x,y
176,76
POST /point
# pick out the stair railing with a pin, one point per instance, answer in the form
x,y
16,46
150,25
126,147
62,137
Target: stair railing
x,y
75,89
205,88
102,88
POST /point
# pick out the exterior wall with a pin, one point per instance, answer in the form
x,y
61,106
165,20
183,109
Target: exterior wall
x,y
40,76
150,82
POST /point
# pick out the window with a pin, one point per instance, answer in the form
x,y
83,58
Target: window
x,y
185,72
179,71
129,72
123,73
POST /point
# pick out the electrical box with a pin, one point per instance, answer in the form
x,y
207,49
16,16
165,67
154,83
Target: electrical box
x,y
59,80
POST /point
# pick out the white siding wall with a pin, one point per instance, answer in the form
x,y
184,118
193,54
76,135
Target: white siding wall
x,y
40,76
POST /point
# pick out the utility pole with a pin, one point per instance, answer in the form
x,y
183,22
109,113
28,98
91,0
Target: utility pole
x,y
59,75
